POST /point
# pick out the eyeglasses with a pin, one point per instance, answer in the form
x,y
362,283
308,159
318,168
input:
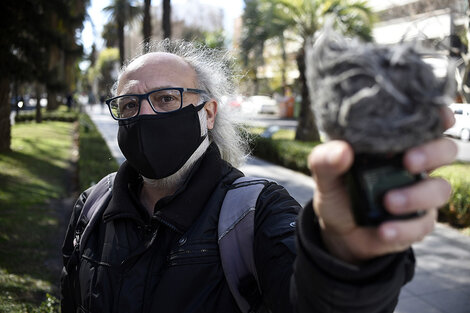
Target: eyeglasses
x,y
164,100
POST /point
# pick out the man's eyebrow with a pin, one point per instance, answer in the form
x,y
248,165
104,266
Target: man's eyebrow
x,y
126,88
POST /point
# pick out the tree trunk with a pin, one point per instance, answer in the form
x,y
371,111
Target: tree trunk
x,y
255,82
306,128
38,104
464,85
52,103
166,20
5,127
284,63
121,41
147,24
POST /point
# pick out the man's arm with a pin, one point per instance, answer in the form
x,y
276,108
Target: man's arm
x,y
323,283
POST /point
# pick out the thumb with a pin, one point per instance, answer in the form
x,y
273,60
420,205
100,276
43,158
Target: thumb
x,y
328,162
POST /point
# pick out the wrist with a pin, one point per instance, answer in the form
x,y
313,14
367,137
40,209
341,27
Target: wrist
x,y
339,246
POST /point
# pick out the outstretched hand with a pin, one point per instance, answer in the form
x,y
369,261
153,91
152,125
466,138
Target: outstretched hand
x,y
351,243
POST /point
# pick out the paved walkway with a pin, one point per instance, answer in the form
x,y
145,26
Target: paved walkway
x,y
442,280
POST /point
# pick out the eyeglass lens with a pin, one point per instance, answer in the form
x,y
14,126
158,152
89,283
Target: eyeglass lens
x,y
161,100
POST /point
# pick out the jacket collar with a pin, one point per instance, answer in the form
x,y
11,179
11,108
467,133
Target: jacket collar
x,y
179,210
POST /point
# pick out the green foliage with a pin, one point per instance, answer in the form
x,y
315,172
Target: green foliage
x,y
109,34
121,13
457,211
104,68
281,149
215,39
31,174
95,160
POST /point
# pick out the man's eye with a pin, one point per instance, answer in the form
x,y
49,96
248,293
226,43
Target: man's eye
x,y
128,105
167,98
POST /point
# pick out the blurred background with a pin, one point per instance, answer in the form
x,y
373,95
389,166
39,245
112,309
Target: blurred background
x,y
60,58
70,51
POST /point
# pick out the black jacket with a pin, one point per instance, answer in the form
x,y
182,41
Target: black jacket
x,y
170,262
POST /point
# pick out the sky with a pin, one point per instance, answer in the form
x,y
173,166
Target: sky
x,y
232,9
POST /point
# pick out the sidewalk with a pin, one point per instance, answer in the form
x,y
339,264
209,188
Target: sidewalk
x,y
442,279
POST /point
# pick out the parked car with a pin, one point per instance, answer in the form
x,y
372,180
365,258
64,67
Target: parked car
x,y
461,128
260,104
234,104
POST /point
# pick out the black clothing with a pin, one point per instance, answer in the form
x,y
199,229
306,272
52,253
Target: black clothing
x,y
170,262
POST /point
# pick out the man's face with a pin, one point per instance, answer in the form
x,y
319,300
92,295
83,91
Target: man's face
x,y
158,70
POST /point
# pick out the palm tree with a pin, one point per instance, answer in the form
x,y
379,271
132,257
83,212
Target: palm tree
x,y
305,18
122,12
147,24
166,20
278,24
254,35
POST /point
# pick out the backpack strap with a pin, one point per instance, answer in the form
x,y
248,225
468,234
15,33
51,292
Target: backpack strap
x,y
93,207
236,234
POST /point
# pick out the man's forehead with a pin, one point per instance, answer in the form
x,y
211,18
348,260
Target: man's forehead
x,y
158,69
157,59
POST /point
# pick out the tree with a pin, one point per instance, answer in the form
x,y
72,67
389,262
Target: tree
x,y
166,20
110,34
254,35
262,20
147,24
64,18
122,12
104,70
28,38
211,39
305,18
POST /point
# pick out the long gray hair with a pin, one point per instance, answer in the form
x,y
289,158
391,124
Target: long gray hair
x,y
214,75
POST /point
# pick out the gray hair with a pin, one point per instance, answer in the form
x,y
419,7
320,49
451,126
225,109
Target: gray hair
x,y
214,75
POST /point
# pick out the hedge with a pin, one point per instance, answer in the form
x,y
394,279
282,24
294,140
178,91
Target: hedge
x,y
457,210
59,115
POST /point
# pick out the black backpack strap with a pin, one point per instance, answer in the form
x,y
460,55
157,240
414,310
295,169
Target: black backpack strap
x,y
236,234
93,207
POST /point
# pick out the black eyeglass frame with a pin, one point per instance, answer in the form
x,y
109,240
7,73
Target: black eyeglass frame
x,y
145,96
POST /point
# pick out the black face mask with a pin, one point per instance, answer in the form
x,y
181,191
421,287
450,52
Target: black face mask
x,y
157,146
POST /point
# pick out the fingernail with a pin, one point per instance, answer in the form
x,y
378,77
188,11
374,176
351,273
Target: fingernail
x,y
417,160
390,233
397,200
335,155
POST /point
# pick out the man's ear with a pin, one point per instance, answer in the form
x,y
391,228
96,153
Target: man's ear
x,y
211,112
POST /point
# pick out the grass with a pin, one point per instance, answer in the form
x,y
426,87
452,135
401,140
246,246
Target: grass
x,y
31,175
95,160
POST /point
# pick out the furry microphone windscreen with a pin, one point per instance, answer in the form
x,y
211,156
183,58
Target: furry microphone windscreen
x,y
380,99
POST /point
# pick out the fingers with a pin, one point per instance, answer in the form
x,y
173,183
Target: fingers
x,y
448,117
328,162
399,235
430,156
430,193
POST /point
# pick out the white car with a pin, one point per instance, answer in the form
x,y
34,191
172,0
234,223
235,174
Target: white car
x,y
461,128
260,104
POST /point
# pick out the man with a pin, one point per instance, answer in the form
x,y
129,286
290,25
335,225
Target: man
x,y
155,247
